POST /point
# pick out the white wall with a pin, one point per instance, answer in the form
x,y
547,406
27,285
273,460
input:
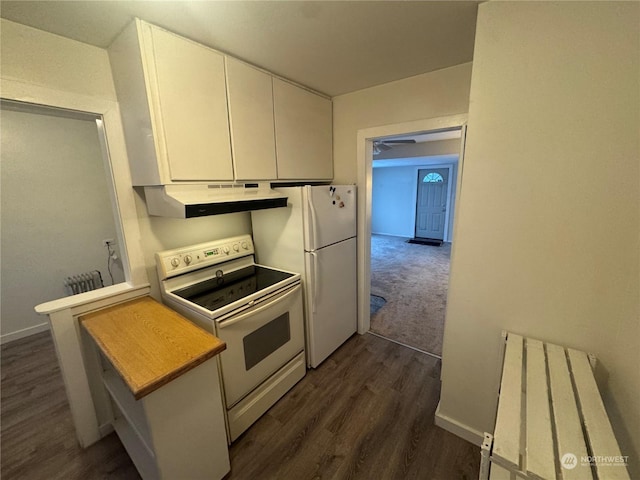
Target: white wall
x,y
41,58
56,211
394,192
436,94
548,233
34,57
44,59
160,233
393,201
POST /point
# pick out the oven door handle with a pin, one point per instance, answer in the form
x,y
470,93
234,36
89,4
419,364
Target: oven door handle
x,y
255,309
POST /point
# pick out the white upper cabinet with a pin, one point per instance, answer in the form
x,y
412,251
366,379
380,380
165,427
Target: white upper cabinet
x,y
172,94
303,124
251,119
193,107
185,108
279,131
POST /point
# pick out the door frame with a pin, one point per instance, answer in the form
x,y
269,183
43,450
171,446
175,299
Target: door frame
x,y
447,214
364,159
118,176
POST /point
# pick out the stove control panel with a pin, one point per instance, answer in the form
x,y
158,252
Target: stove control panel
x,y
182,260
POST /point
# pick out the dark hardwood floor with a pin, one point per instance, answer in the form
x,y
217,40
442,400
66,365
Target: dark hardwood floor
x,y
366,413
37,437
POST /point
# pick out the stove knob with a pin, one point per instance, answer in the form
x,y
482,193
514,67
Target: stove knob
x,y
175,261
225,249
245,245
236,247
187,259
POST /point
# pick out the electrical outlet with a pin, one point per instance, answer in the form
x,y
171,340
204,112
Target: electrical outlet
x,y
108,241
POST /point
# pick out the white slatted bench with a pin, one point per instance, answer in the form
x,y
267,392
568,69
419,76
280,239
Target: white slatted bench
x,y
551,421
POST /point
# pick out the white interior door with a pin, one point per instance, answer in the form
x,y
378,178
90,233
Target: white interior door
x,y
432,202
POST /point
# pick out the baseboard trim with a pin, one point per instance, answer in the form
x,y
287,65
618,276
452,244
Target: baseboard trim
x,y
404,345
458,429
105,429
391,235
25,332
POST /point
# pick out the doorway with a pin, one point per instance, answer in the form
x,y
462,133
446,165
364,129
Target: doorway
x,y
105,116
410,259
57,209
366,139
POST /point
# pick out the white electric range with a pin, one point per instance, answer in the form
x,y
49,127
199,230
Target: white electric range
x,y
256,310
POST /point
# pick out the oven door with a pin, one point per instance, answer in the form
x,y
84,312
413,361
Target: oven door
x,y
260,341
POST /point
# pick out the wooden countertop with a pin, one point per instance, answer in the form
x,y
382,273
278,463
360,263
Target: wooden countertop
x,y
149,344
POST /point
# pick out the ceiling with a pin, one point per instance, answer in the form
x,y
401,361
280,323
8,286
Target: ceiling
x,y
334,47
433,136
391,150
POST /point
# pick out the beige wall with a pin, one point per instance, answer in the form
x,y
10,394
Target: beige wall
x,y
44,59
437,94
36,57
548,234
159,233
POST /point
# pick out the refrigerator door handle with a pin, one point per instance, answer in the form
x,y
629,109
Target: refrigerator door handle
x,y
314,221
314,266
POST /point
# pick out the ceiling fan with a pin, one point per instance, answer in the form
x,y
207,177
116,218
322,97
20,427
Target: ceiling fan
x,y
380,146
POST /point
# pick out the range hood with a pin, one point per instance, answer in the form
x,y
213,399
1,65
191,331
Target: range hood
x,y
188,201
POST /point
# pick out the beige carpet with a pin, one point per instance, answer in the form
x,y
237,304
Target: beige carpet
x,y
413,279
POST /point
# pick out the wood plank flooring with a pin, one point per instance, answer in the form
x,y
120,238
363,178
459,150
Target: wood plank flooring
x,y
36,431
366,413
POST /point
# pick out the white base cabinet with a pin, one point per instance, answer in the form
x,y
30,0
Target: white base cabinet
x,y
177,431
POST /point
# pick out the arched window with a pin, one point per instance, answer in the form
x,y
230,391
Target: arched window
x,y
433,177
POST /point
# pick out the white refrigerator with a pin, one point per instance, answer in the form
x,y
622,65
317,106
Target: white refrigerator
x,y
315,235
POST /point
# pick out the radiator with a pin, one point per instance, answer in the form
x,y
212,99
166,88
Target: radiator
x,y
83,282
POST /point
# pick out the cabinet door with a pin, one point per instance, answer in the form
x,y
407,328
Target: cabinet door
x,y
191,97
251,119
303,133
